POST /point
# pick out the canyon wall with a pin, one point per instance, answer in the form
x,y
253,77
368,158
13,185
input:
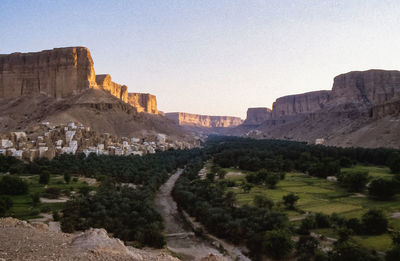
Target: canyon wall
x,y
195,120
143,102
370,87
120,91
256,116
57,73
300,103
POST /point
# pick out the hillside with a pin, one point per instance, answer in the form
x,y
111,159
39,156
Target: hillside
x,y
362,109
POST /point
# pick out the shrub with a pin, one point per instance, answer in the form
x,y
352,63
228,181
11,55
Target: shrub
x,y
272,179
52,193
322,220
35,199
277,243
12,185
263,202
5,204
393,254
354,181
382,189
290,199
394,162
44,178
374,222
307,224
306,248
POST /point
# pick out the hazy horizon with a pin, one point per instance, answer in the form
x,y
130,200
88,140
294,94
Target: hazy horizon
x,y
213,57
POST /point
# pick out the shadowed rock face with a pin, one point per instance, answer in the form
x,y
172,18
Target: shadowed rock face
x,y
195,120
301,103
57,73
371,87
143,102
256,116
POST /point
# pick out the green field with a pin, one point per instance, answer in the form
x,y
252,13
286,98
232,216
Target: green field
x,y
22,204
320,195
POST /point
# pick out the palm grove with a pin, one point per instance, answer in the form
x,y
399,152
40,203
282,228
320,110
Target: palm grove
x,y
263,226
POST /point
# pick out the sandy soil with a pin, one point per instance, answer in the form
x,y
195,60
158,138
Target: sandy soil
x,y
180,238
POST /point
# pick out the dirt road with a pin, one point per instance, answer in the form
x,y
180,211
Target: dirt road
x,y
180,238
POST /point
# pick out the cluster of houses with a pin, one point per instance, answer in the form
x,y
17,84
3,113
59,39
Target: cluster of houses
x,y
46,140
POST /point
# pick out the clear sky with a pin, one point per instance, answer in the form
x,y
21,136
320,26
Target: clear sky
x,y
216,57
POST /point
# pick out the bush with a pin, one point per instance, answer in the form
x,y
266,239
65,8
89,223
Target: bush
x,y
382,189
348,251
12,185
277,243
272,179
393,254
5,204
306,248
290,199
52,193
394,162
44,178
354,181
263,202
56,216
374,222
322,220
45,209
35,199
307,224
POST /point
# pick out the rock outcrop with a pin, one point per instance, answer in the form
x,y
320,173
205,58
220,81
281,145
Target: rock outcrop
x,y
61,73
256,116
58,73
205,121
143,102
370,88
358,111
300,103
120,91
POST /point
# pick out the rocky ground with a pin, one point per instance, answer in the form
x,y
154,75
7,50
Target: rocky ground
x,y
20,240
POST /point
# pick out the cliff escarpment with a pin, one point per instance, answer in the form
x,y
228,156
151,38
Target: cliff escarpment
x,y
343,116
143,102
205,121
58,73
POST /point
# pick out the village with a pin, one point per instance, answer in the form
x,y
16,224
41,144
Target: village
x,y
48,140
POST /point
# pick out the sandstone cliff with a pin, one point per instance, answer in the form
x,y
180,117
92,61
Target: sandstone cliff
x,y
57,73
300,103
120,91
357,112
371,87
256,116
195,120
143,102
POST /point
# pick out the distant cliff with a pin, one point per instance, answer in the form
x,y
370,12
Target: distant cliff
x,y
57,73
195,120
362,109
256,116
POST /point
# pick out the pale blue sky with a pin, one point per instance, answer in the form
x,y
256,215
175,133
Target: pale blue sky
x,y
215,57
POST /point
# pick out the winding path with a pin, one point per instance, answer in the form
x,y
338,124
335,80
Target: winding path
x,y
180,238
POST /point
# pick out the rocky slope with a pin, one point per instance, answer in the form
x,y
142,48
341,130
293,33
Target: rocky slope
x,y
60,86
22,241
362,109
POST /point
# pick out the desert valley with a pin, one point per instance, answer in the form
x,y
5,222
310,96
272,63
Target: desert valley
x,y
162,165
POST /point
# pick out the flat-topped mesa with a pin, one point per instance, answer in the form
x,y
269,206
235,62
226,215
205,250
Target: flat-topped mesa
x,y
143,102
195,120
300,103
256,116
120,91
370,87
58,73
